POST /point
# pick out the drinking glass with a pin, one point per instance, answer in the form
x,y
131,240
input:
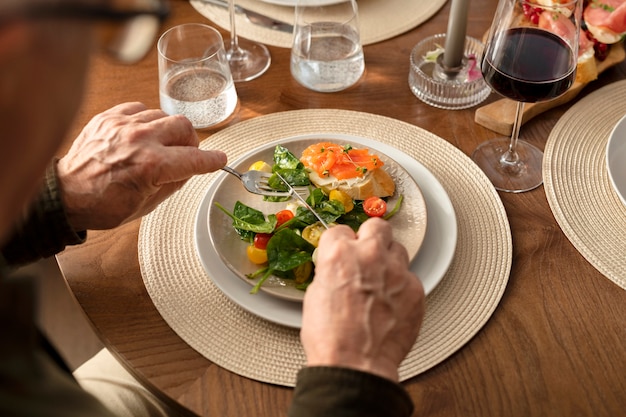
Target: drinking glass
x,y
327,54
247,59
530,56
194,75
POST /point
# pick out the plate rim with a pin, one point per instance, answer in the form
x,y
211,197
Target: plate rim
x,y
289,313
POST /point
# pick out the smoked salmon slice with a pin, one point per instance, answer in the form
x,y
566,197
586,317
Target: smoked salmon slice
x,y
342,162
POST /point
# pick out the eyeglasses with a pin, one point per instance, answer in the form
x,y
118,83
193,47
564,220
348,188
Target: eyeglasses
x,y
129,27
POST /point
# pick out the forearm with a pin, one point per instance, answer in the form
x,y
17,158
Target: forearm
x,y
44,230
332,391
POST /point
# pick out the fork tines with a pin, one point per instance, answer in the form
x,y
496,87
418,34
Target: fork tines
x,y
263,184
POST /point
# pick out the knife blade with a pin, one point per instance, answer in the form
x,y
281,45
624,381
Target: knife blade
x,y
255,17
302,200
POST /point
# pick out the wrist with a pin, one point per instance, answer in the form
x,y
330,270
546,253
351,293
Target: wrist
x,y
69,200
71,210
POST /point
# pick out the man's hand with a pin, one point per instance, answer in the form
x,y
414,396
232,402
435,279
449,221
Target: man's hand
x,y
364,307
126,161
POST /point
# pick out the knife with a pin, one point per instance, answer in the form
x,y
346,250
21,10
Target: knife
x,y
255,17
302,200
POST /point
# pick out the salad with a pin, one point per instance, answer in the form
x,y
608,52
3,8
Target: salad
x,y
283,243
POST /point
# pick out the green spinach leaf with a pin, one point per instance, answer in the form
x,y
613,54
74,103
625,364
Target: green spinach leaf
x,y
286,250
248,221
284,159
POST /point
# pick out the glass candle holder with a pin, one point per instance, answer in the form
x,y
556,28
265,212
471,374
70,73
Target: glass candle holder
x,y
447,88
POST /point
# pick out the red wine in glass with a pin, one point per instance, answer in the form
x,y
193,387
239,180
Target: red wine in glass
x,y
534,65
526,62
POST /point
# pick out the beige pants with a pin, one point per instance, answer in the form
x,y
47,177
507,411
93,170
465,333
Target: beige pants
x,y
106,379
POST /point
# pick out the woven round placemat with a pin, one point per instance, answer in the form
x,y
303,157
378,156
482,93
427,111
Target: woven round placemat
x,y
243,343
577,185
379,19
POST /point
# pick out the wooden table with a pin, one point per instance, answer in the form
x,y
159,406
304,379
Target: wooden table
x,y
555,346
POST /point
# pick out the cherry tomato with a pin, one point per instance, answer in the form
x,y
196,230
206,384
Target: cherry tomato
x,y
374,206
261,166
342,197
312,233
261,239
283,216
256,255
303,272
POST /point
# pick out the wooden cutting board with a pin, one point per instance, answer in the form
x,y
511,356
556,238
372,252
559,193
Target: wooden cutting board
x,y
499,116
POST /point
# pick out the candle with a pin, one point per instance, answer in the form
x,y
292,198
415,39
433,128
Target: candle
x,y
455,38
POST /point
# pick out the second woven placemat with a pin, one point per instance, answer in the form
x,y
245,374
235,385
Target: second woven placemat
x,y
577,185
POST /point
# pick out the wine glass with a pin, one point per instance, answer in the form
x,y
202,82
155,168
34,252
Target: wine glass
x,y
530,55
247,59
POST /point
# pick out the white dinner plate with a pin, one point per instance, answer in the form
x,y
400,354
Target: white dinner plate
x,y
431,263
292,3
616,158
409,223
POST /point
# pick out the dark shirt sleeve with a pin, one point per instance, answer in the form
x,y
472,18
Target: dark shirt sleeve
x,y
342,392
44,230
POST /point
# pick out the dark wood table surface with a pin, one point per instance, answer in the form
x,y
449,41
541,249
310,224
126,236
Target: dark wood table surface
x,y
555,346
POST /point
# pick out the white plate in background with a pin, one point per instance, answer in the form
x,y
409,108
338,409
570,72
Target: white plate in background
x,y
616,158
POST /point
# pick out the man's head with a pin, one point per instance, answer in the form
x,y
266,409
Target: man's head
x,y
44,54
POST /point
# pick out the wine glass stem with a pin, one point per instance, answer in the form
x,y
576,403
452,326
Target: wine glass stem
x,y
511,156
234,40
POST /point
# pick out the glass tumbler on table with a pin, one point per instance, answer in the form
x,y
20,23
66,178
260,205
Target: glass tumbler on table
x,y
194,75
530,56
327,54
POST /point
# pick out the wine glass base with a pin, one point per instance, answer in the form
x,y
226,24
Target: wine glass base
x,y
249,61
510,176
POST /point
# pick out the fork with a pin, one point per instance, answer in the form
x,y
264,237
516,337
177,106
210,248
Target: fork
x,y
257,182
294,193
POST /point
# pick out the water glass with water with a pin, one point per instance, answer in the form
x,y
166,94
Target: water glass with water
x,y
327,54
194,75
